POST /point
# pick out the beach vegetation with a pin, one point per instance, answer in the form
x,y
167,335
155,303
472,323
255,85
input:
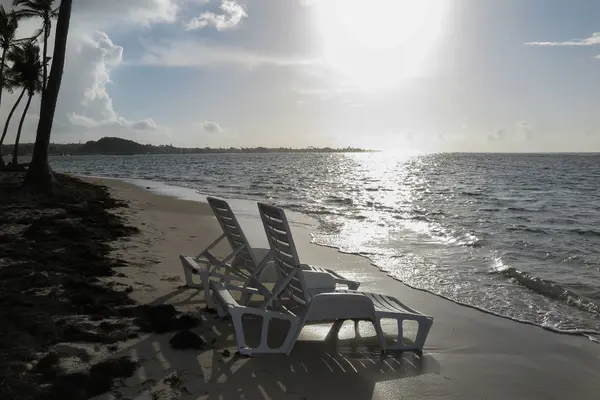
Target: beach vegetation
x,y
8,32
25,72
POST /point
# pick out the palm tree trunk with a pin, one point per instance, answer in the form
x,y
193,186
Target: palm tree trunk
x,y
16,149
2,90
2,73
12,111
39,175
45,64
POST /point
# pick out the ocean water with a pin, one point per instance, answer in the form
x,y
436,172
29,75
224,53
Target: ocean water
x,y
517,235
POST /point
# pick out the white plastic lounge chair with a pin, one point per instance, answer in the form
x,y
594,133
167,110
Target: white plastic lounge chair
x,y
241,264
244,266
334,306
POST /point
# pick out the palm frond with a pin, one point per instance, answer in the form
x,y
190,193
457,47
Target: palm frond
x,y
8,29
28,14
26,68
38,5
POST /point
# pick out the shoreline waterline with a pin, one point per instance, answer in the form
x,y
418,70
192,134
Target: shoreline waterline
x,y
245,207
468,354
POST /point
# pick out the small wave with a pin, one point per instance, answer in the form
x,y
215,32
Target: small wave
x,y
550,289
476,243
340,200
378,206
471,194
310,210
436,213
518,209
585,232
522,228
257,194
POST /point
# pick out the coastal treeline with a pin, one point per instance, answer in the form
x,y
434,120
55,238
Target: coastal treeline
x,y
113,145
27,69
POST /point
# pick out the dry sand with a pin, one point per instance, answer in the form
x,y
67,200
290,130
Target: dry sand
x,y
469,354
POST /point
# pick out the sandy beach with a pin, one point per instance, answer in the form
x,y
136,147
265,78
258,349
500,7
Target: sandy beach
x,y
469,354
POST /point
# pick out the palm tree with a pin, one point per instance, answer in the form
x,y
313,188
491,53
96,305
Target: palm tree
x,y
10,84
39,175
26,72
39,9
8,30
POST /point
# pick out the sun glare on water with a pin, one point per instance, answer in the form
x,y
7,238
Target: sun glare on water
x,y
379,42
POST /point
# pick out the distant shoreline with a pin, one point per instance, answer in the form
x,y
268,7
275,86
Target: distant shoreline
x,y
121,147
215,151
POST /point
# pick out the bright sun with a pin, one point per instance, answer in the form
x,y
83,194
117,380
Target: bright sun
x,y
377,43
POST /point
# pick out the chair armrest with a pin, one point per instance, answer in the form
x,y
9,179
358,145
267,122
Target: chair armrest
x,y
337,278
318,280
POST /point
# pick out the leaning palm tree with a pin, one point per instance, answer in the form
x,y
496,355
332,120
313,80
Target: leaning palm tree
x,y
39,9
10,84
8,30
26,71
39,175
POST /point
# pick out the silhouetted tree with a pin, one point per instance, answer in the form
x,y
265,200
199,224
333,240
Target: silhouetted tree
x,y
39,175
44,10
26,71
8,30
10,83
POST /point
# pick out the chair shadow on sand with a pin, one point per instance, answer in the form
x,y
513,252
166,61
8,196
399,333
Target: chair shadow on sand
x,y
316,368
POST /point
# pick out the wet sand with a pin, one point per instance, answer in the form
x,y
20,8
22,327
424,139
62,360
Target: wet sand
x,y
468,355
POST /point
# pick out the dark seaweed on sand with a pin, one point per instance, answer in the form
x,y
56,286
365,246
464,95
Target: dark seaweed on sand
x,y
53,250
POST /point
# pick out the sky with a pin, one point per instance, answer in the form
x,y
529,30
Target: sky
x,y
402,75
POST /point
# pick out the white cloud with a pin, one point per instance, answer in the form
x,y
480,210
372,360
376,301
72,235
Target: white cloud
x,y
105,13
100,14
211,127
120,122
85,100
232,15
590,41
497,135
179,53
524,129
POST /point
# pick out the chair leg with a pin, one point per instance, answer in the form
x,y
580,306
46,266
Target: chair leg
x,y
189,276
335,330
423,331
400,338
204,276
237,320
356,329
380,335
207,296
290,341
238,327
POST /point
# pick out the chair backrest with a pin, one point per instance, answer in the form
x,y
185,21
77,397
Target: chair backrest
x,y
284,251
233,233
